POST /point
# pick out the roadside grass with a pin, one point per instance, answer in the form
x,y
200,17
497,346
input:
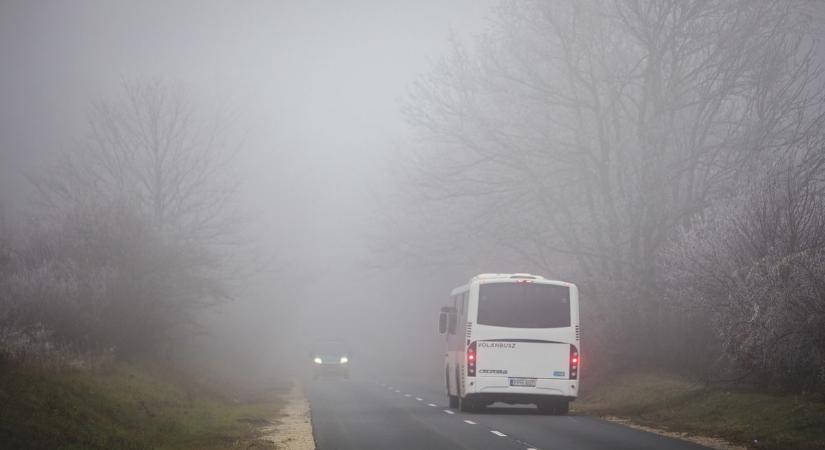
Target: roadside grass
x,y
126,407
758,420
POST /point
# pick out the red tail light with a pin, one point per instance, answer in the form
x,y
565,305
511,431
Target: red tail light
x,y
471,360
574,362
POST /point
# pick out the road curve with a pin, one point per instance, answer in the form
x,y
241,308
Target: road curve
x,y
384,414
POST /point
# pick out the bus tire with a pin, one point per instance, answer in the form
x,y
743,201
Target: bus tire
x,y
554,407
545,407
454,401
467,405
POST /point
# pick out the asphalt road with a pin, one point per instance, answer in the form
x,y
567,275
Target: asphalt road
x,y
384,414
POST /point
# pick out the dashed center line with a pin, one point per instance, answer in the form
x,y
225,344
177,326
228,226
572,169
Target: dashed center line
x,y
451,412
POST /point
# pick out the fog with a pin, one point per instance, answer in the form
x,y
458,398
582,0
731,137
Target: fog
x,y
381,153
314,89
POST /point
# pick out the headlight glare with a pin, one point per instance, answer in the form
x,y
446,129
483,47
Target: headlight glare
x,y
344,360
318,360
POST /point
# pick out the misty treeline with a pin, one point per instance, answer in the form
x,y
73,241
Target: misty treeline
x,y
668,156
128,240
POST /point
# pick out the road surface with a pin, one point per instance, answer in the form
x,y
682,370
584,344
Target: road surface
x,y
384,414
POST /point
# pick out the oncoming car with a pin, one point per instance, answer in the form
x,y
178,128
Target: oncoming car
x,y
330,358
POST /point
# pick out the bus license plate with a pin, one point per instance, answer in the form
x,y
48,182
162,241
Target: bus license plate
x,y
523,382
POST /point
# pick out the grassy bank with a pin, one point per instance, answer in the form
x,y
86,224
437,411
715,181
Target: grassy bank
x,y
773,421
126,407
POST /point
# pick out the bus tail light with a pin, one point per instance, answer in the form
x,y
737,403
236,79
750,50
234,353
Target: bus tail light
x,y
471,359
574,362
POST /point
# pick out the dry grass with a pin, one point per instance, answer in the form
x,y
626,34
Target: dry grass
x,y
126,407
750,418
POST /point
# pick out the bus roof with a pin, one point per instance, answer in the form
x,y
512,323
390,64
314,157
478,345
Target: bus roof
x,y
507,278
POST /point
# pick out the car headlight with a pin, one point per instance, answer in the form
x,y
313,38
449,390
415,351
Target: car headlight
x,y
344,360
318,360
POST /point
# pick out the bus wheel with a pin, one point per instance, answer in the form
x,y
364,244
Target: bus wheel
x,y
554,407
545,407
468,405
453,401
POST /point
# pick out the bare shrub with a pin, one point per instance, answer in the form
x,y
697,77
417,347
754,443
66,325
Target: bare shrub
x,y
755,267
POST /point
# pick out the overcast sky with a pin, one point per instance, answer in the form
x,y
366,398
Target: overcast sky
x,y
315,85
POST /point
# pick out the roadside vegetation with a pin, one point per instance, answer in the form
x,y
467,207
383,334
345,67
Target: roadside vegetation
x,y
747,417
669,158
129,406
131,242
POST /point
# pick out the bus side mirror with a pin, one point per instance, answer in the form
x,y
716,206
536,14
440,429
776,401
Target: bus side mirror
x,y
442,323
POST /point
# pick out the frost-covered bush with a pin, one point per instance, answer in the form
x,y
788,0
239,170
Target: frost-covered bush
x,y
755,266
94,282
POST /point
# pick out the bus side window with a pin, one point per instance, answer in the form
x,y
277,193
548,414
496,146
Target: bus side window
x,y
464,303
452,317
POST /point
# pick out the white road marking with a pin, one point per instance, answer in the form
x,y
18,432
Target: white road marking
x,y
432,404
397,391
448,411
498,433
470,422
419,399
407,395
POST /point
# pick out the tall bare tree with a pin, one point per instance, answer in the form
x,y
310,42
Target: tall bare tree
x,y
155,152
146,202
582,135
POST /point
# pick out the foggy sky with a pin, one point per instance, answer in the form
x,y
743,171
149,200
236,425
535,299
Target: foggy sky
x,y
315,86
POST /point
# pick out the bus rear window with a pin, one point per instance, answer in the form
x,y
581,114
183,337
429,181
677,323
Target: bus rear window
x,y
524,305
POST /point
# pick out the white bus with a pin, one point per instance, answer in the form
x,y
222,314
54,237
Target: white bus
x,y
512,338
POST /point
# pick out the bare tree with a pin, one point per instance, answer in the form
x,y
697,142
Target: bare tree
x,y
152,151
141,222
584,134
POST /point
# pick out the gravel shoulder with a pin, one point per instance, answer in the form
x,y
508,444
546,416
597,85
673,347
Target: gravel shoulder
x,y
293,430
